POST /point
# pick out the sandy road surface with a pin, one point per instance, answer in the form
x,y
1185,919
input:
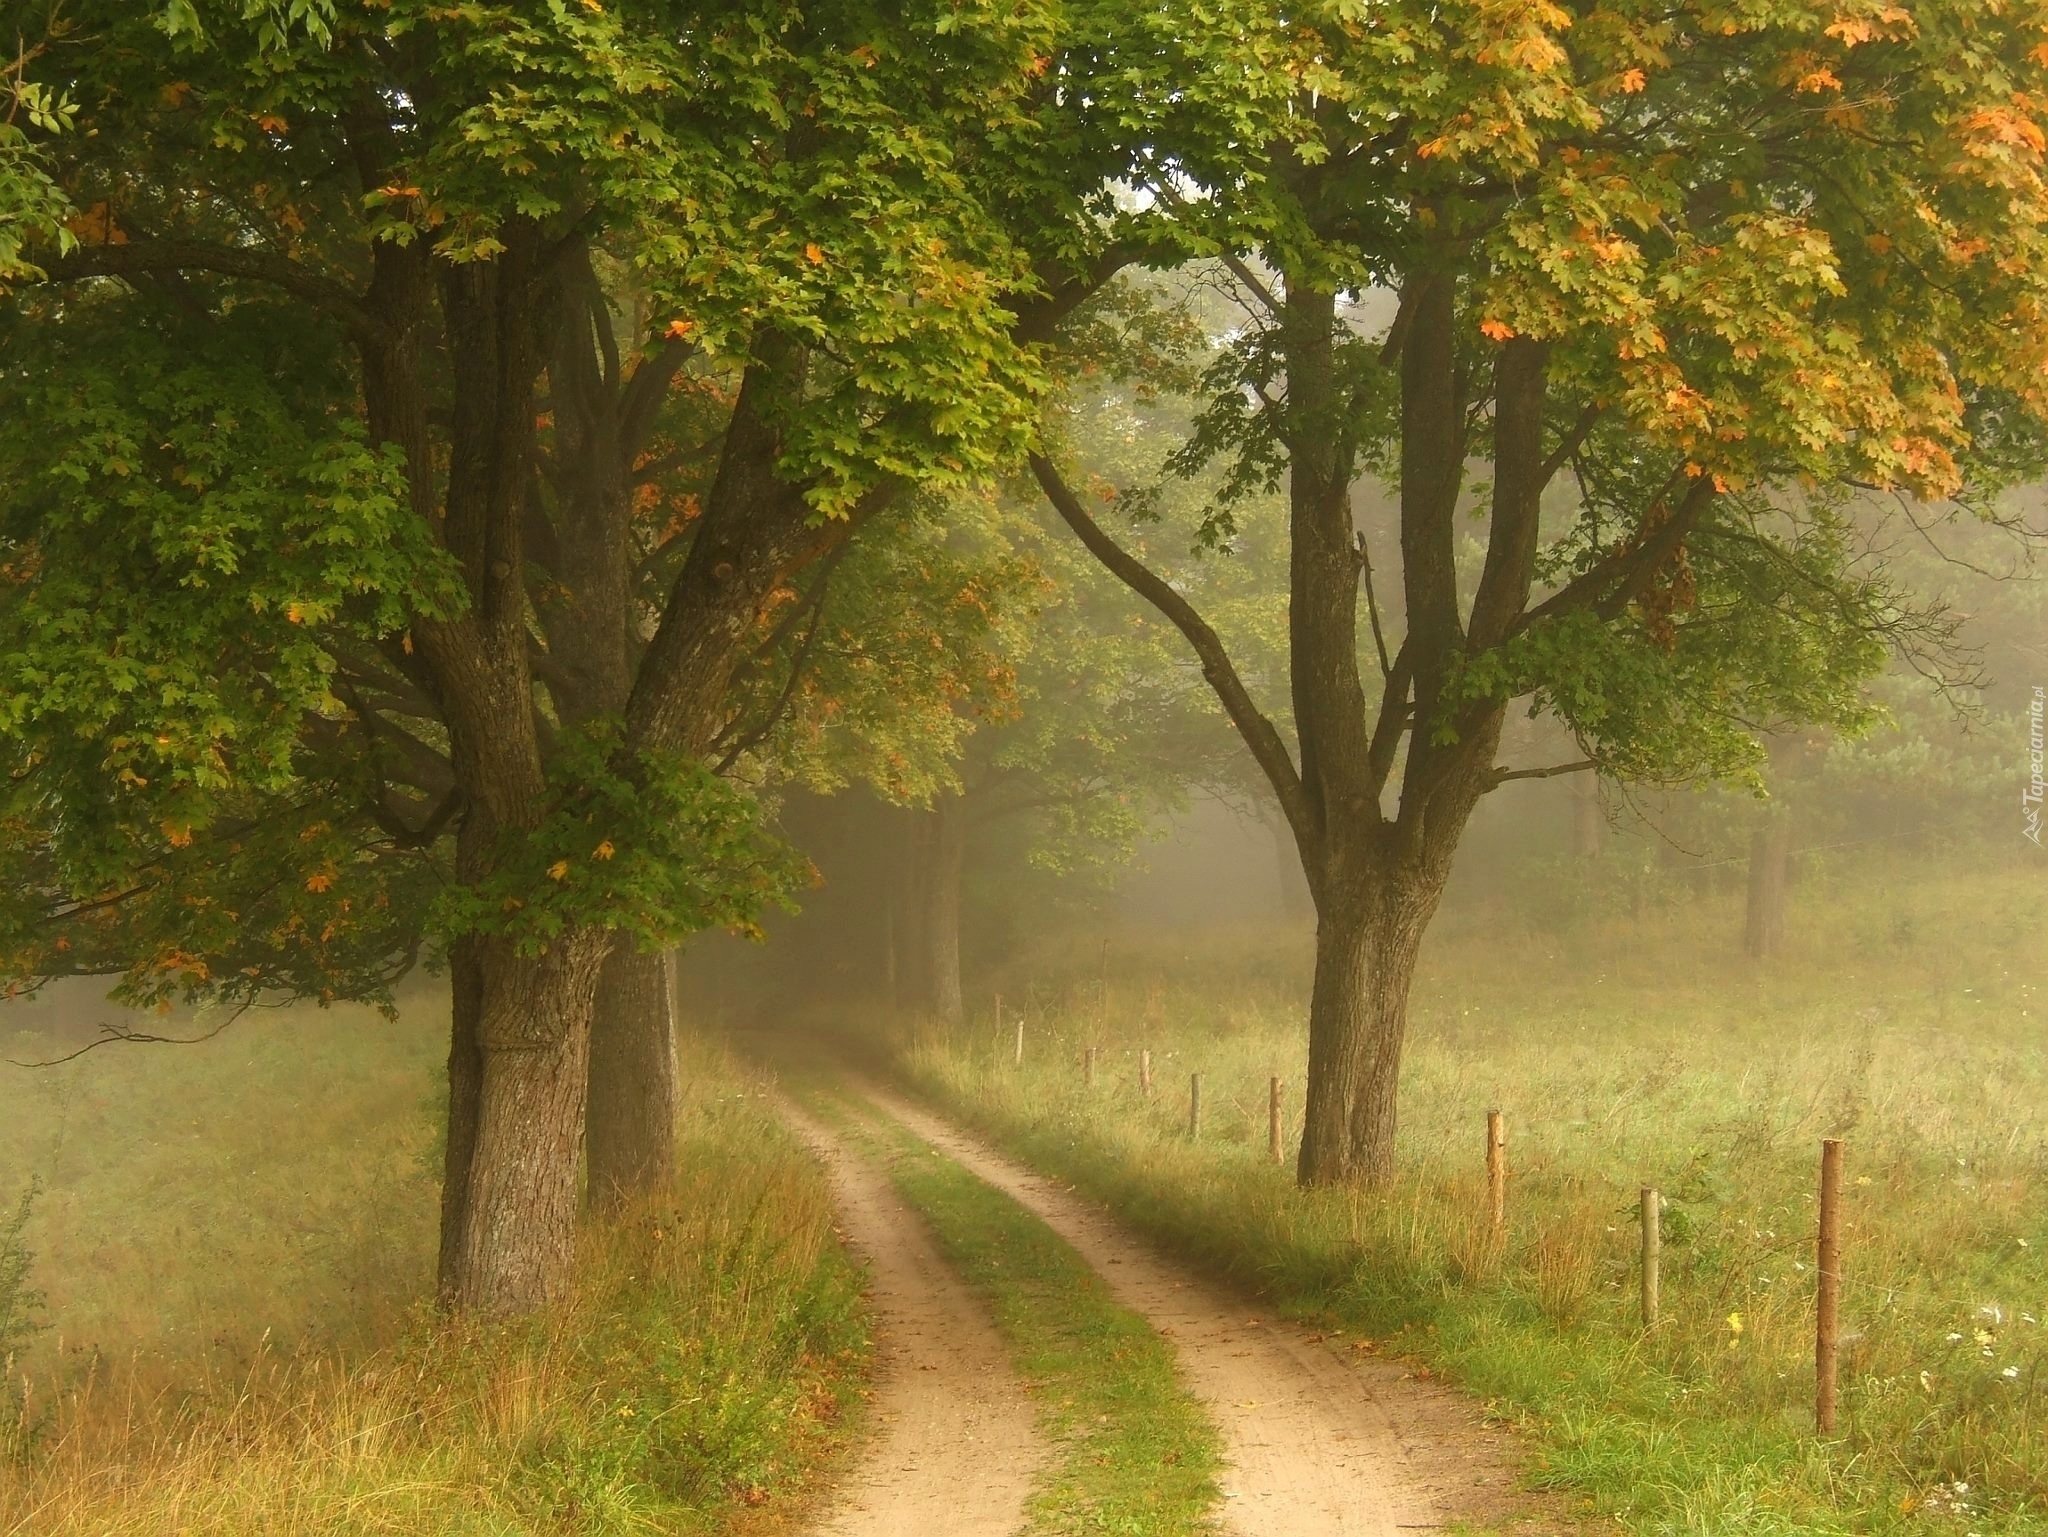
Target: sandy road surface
x,y
1316,1445
957,1449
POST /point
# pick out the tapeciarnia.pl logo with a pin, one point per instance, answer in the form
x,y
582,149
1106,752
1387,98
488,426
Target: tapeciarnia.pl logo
x,y
2030,797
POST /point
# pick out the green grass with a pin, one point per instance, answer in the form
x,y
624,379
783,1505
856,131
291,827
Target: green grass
x,y
1625,1050
704,1378
1134,1454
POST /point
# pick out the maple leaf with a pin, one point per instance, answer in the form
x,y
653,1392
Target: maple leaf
x,y
680,329
604,850
558,869
320,880
814,253
1496,330
1632,81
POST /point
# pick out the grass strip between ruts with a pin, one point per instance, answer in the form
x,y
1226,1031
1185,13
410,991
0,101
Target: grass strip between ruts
x,y
1133,1452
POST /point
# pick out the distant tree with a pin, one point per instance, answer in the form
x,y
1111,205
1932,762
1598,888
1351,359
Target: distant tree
x,y
1714,267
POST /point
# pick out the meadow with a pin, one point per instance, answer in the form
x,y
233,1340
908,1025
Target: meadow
x,y
233,1246
1626,1045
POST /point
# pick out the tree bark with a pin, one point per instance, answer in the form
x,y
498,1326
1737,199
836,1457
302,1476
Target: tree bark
x,y
465,1086
1770,849
1368,938
515,1237
630,1120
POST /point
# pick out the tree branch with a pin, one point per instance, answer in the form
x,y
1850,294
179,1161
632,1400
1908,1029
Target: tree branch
x,y
155,256
1258,732
1500,776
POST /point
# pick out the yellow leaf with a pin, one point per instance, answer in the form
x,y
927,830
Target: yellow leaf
x,y
558,869
1633,80
604,850
814,254
319,881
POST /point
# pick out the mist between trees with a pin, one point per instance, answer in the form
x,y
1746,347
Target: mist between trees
x,y
466,475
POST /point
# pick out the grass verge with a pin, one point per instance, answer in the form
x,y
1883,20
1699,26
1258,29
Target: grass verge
x,y
705,1371
1134,1453
1624,1053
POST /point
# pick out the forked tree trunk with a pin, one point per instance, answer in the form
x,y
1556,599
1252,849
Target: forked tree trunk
x,y
514,1239
1367,944
1770,849
629,1149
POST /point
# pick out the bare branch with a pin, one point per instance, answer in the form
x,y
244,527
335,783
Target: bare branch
x,y
1500,776
112,1033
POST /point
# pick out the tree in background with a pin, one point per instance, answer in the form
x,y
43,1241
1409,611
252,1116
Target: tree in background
x,y
1714,268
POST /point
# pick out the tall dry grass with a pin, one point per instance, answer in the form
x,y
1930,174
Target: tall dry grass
x,y
1626,1051
699,1377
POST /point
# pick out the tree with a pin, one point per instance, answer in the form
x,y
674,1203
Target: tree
x,y
1716,267
409,236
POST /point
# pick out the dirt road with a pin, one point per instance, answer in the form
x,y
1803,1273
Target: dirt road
x,y
1317,1444
957,1449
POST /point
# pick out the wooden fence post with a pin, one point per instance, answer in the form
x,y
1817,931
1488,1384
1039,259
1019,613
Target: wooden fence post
x,y
1497,1168
1088,1066
1194,1106
1827,1312
1145,1074
1653,1234
1276,1139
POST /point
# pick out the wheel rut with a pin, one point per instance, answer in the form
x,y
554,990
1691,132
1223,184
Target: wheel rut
x,y
1317,1442
957,1451
1315,1445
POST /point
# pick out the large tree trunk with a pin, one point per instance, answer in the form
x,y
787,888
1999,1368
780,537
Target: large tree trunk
x,y
515,1236
1367,942
1770,849
631,1118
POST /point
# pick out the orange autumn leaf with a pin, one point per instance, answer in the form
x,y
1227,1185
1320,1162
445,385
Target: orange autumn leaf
x,y
604,850
1633,80
1496,330
320,880
814,254
680,329
558,869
